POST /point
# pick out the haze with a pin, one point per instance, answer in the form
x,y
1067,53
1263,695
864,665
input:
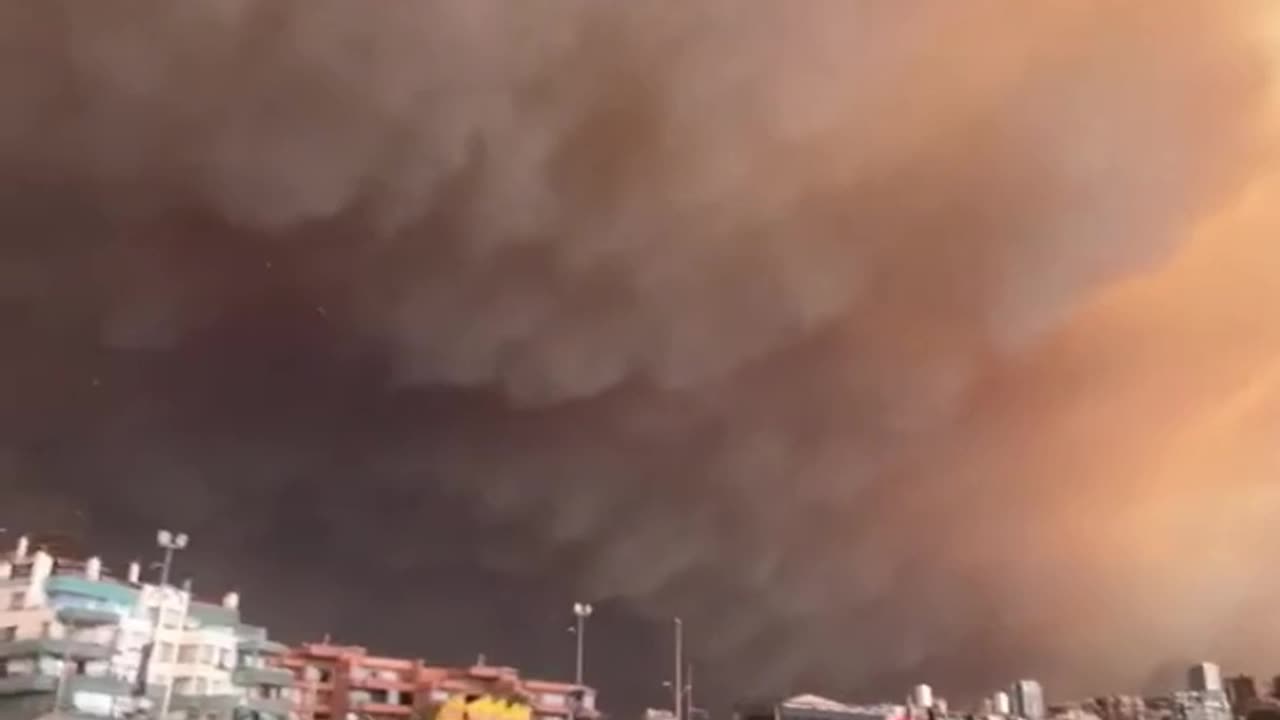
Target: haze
x,y
882,341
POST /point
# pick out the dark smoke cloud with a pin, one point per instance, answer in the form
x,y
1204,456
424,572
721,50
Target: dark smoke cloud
x,y
796,319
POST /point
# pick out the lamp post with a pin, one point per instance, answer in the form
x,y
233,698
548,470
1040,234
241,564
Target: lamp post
x,y
182,620
581,611
685,697
170,542
677,687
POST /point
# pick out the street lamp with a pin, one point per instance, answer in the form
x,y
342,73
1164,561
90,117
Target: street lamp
x,y
678,687
167,698
684,702
170,542
581,611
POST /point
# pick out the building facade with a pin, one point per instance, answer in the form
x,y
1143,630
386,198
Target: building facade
x,y
74,638
815,707
1027,699
1242,691
1204,677
1201,705
345,682
1120,707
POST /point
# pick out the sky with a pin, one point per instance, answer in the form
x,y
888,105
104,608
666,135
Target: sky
x,y
883,342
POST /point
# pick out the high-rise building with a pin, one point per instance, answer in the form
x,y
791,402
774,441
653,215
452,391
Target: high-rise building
x,y
1204,677
1000,704
74,637
1027,699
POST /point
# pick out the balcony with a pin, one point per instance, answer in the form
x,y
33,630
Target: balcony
x,y
86,617
103,685
247,676
262,646
107,591
204,704
33,684
382,708
27,684
61,648
272,706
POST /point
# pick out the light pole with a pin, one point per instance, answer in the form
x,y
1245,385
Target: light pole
x,y
688,692
581,611
182,620
686,696
170,542
677,687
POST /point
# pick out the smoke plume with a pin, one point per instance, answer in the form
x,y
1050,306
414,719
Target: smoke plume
x,y
879,340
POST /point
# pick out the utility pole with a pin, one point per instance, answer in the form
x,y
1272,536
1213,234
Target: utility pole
x,y
677,687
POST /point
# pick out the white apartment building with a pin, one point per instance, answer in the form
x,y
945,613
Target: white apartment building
x,y
198,657
73,637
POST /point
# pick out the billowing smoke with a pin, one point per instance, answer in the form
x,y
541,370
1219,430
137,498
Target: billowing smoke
x,y
878,339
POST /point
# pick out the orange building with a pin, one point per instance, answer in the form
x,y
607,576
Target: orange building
x,y
345,682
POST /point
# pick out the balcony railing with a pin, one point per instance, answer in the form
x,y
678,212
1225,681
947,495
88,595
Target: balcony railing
x,y
24,684
262,646
246,676
273,706
103,685
72,649
86,617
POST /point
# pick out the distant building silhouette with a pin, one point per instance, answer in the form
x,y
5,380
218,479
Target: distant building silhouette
x,y
1027,698
1204,677
1242,691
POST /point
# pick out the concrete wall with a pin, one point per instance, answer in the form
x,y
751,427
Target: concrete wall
x,y
30,622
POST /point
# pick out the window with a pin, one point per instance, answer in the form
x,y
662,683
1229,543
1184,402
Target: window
x,y
9,633
166,652
187,654
17,601
207,654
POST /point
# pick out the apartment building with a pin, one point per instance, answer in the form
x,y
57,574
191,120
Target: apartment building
x,y
74,637
345,682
